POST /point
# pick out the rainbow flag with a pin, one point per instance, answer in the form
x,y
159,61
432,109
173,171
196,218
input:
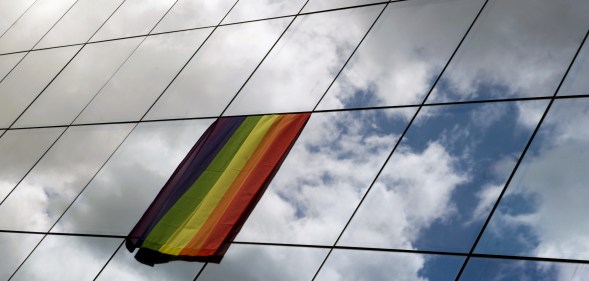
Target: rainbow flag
x,y
203,205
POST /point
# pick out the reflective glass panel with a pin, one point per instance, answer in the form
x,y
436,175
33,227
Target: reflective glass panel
x,y
304,62
136,85
134,17
124,267
318,5
219,69
33,25
194,13
543,212
576,82
246,10
369,265
7,62
28,79
403,54
483,269
324,176
10,11
43,195
78,83
80,23
19,151
15,248
64,258
516,49
253,262
119,194
437,189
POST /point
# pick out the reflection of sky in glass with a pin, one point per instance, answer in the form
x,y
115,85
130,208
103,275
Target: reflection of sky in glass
x,y
253,263
543,213
517,49
43,195
27,80
303,63
19,246
7,62
481,269
64,258
10,11
123,189
576,82
439,185
402,55
258,9
324,176
187,14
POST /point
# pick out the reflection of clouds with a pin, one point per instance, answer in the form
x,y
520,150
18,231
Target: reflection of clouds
x,y
517,49
80,80
413,191
217,71
134,17
253,263
20,149
124,267
546,201
27,80
138,83
576,82
258,9
323,178
402,54
25,33
366,265
506,270
67,258
318,5
194,13
10,11
18,246
80,22
138,170
7,62
49,188
305,60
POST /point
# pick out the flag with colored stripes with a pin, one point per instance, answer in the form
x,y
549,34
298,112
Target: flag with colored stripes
x,y
211,193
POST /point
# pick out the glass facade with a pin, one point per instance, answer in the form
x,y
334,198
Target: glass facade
x,y
448,140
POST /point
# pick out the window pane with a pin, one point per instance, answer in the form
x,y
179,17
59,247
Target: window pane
x,y
576,82
253,263
28,79
29,29
78,83
219,69
134,17
369,265
482,269
437,189
323,178
43,195
15,248
119,194
136,86
403,54
516,49
194,13
542,213
7,62
124,267
246,10
318,5
304,62
10,11
67,258
19,150
80,23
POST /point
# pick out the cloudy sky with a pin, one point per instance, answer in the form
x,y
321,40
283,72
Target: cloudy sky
x,y
164,59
